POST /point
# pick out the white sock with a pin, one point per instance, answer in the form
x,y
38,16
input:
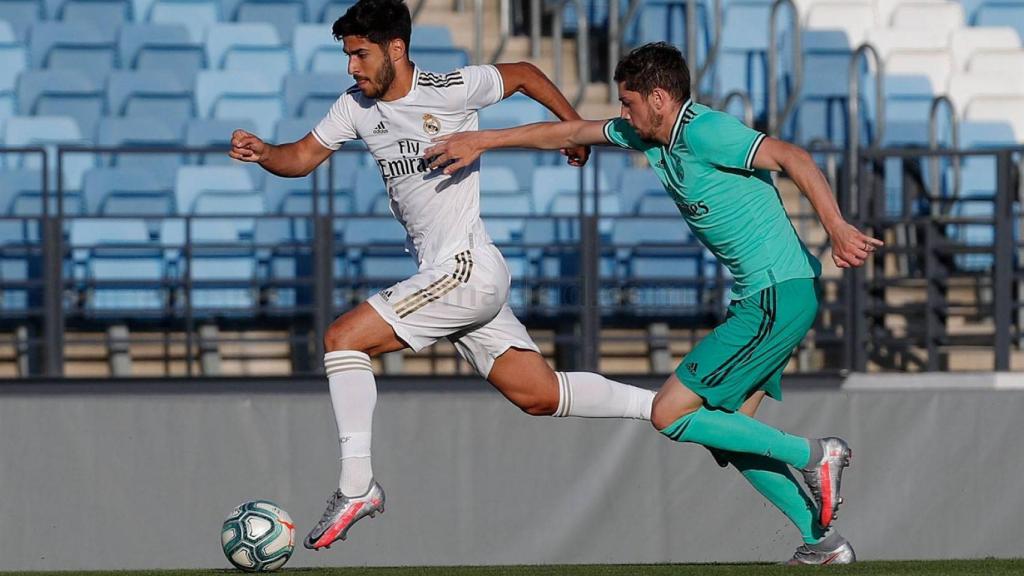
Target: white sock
x,y
354,396
590,395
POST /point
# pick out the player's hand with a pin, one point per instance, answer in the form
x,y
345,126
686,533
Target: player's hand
x,y
850,247
577,156
247,147
454,151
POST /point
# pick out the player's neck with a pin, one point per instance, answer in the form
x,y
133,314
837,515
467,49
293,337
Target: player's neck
x,y
663,134
402,83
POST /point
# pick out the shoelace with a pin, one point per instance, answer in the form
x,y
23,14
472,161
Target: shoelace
x,y
332,505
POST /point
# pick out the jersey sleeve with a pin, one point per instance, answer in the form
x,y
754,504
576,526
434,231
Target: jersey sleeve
x,y
722,140
618,131
484,86
337,127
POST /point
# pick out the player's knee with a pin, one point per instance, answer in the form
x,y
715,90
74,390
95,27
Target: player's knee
x,y
664,414
538,405
339,337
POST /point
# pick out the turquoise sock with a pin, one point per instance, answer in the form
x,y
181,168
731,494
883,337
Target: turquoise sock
x,y
737,432
776,483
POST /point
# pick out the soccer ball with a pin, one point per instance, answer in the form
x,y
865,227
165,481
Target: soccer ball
x,y
258,536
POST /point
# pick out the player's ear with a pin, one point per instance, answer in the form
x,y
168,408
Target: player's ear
x,y
657,99
397,49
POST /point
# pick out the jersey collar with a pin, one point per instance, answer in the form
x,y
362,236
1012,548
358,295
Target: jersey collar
x,y
677,128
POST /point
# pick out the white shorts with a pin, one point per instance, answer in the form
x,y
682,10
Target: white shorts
x,y
464,299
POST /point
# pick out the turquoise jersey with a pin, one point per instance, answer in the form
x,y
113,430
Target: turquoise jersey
x,y
732,208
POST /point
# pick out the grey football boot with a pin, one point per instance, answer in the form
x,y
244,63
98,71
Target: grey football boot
x,y
341,513
833,550
824,477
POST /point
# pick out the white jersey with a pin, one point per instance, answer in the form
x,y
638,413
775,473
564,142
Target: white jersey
x,y
441,214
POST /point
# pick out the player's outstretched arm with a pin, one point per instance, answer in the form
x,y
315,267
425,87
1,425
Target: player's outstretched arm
x,y
288,160
458,150
526,78
850,247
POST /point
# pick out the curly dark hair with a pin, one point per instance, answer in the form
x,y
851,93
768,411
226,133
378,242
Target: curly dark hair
x,y
655,65
380,21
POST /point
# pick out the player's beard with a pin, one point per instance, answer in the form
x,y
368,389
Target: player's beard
x,y
385,76
654,121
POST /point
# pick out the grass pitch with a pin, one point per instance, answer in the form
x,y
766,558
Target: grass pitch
x,y
989,567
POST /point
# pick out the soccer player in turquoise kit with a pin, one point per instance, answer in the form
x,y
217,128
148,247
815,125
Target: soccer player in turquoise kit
x,y
718,172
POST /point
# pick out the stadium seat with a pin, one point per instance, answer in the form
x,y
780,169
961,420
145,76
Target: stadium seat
x,y
20,262
437,59
965,87
550,181
118,251
996,61
369,188
635,183
21,192
885,9
967,42
284,15
161,47
821,113
942,18
21,15
216,134
665,21
13,61
126,191
500,194
316,49
65,92
222,264
107,15
194,15
153,94
427,36
1001,13
295,196
311,94
72,45
375,248
654,203
48,132
1005,109
514,111
143,132
253,47
912,80
854,19
234,94
201,189
743,63
327,10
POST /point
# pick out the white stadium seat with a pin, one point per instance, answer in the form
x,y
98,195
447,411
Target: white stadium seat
x,y
965,42
999,109
941,17
965,87
853,18
996,61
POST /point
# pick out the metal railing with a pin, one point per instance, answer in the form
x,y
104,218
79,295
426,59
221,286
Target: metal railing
x,y
776,117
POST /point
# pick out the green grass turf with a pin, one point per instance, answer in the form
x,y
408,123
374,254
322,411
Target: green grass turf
x,y
988,567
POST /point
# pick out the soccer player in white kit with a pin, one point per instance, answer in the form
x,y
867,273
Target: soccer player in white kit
x,y
460,291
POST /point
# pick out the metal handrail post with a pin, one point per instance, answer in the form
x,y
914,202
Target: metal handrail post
x,y
691,44
614,49
535,14
419,8
582,52
933,144
556,41
853,112
506,30
748,106
1002,294
777,118
478,37
53,278
712,54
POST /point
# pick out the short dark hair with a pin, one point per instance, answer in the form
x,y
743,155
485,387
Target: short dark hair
x,y
655,65
380,21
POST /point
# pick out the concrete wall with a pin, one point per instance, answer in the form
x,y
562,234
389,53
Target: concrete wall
x,y
140,475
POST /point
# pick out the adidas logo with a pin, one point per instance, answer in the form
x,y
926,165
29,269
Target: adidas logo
x,y
692,367
381,128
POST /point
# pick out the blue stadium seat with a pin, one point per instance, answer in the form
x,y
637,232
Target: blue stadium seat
x,y
311,94
72,45
374,248
222,265
118,251
48,132
634,184
295,196
439,59
427,36
21,192
665,21
195,15
211,189
253,47
21,15
161,47
521,162
315,49
743,60
107,15
514,111
216,134
143,132
13,61
284,15
506,230
822,110
294,129
126,191
152,94
656,203
369,190
234,94
327,10
1001,13
20,262
65,92
550,181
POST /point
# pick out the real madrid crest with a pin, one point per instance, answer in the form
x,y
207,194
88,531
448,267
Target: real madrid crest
x,y
431,125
